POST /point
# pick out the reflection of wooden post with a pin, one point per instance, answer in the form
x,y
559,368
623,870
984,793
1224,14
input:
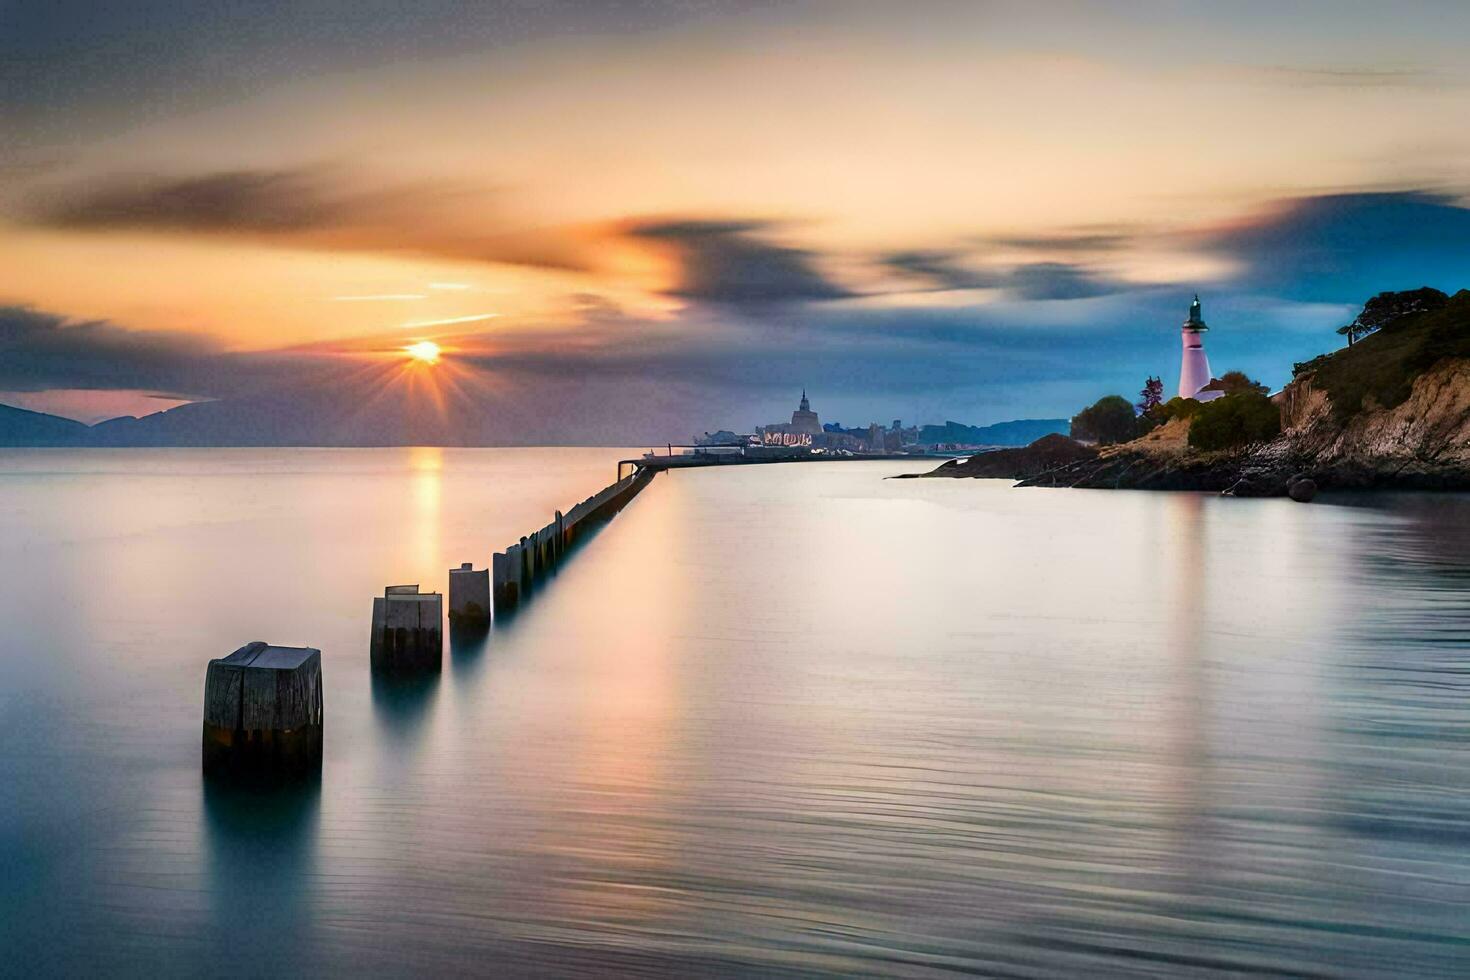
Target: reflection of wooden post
x,y
408,629
469,596
263,712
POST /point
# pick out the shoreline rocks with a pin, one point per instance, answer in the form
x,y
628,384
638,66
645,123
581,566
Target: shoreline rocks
x,y
1047,453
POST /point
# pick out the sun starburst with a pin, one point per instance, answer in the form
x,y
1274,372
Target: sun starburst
x,y
425,351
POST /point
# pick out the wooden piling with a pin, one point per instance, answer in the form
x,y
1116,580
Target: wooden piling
x,y
263,713
469,596
515,571
408,631
507,590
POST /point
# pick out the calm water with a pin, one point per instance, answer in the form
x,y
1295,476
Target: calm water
x,y
783,719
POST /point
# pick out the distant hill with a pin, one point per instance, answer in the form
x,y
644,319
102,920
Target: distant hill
x,y
1020,432
19,427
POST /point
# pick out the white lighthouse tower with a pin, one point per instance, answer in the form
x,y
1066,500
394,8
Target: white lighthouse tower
x,y
1194,367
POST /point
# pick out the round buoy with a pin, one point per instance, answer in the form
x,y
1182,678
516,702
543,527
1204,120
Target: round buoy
x,y
1302,491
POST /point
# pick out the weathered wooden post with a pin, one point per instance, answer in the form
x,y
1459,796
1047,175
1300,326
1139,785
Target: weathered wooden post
x,y
504,569
263,712
469,596
408,630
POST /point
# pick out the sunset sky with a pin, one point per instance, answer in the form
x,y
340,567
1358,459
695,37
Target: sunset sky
x,y
650,219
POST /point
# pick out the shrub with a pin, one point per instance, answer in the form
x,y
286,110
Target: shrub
x,y
1235,420
1233,381
1108,420
1176,408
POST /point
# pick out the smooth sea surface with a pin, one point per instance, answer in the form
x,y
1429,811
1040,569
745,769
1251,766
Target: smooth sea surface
x,y
772,720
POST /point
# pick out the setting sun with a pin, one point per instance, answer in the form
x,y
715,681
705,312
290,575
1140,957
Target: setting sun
x,y
425,350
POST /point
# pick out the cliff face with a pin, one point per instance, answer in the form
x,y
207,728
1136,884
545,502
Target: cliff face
x,y
1422,441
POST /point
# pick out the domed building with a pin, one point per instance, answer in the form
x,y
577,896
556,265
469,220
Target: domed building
x,y
804,429
804,421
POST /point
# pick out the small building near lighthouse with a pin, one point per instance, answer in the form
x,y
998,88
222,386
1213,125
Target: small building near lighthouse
x,y
1194,366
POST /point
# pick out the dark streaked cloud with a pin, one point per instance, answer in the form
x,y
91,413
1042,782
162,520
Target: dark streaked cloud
x,y
1351,76
1345,247
1050,280
313,207
942,268
234,201
1060,280
729,262
40,350
1069,241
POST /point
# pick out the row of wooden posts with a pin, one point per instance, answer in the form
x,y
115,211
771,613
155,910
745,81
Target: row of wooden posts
x,y
263,713
518,568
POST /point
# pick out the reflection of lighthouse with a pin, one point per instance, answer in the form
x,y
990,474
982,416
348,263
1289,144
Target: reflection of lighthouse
x,y
1194,367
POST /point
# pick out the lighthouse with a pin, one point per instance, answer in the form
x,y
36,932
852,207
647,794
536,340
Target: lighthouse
x,y
1194,367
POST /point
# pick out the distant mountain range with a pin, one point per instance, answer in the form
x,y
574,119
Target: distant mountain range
x,y
328,419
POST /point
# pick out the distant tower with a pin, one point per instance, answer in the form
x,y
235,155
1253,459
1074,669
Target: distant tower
x,y
804,420
1194,367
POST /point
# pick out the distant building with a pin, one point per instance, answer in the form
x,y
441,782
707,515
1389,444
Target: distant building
x,y
804,421
875,438
1194,367
803,430
724,437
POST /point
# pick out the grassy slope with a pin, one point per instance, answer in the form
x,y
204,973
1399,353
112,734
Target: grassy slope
x,y
1383,366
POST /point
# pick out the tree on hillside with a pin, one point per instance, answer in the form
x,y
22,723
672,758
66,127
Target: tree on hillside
x,y
1385,308
1232,382
1176,408
1235,420
1151,397
1108,420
